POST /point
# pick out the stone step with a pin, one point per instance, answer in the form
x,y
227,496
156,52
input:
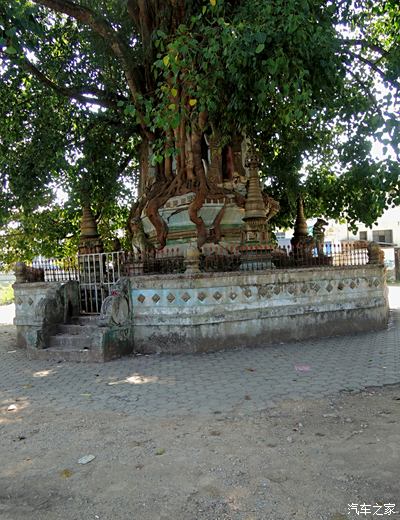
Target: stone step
x,y
68,341
76,329
85,319
55,354
81,340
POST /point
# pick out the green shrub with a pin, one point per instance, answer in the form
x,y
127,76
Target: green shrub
x,y
6,294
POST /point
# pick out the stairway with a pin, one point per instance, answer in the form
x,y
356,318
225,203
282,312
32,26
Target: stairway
x,y
80,340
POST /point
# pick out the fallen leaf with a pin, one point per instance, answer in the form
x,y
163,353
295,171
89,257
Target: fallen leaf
x,y
160,451
66,473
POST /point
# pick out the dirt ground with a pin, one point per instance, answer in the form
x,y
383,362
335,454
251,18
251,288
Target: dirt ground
x,y
304,459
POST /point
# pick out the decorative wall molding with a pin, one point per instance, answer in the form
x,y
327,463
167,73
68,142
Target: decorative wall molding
x,y
271,291
202,312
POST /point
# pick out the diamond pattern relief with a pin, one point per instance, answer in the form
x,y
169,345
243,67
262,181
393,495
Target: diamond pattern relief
x,y
304,289
263,291
185,297
329,287
291,289
233,296
277,290
316,287
141,298
202,296
217,296
30,301
170,297
19,301
376,282
247,292
340,286
156,298
353,284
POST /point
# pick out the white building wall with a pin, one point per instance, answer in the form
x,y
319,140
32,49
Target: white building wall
x,y
335,232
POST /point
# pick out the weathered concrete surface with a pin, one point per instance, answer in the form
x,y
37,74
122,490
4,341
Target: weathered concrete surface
x,y
49,328
39,307
203,313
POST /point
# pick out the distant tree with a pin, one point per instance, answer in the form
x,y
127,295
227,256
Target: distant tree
x,y
90,86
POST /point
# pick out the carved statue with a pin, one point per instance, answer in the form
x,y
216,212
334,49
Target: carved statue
x,y
237,184
319,235
375,254
115,309
141,245
272,206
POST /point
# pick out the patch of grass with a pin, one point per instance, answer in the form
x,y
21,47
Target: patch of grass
x,y
6,294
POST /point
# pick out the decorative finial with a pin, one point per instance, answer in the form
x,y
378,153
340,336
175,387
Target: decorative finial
x,y
252,158
300,226
255,205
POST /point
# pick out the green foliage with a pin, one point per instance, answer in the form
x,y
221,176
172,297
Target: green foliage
x,y
6,294
310,82
57,151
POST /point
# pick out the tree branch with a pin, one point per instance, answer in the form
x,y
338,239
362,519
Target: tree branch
x,y
365,88
366,45
91,96
374,67
101,27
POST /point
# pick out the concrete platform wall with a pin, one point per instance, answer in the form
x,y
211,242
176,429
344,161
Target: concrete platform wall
x,y
39,307
206,312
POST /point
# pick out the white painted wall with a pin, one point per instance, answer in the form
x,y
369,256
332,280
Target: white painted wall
x,y
336,232
389,220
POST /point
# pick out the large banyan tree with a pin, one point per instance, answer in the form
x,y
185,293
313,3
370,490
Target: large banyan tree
x,y
190,78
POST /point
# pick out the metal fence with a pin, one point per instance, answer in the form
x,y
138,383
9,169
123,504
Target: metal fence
x,y
256,258
218,258
54,270
166,261
98,272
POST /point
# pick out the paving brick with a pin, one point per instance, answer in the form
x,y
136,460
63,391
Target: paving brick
x,y
159,386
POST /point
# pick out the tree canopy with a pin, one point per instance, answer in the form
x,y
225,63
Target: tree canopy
x,y
100,96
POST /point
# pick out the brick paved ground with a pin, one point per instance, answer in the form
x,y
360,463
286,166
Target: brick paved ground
x,y
239,381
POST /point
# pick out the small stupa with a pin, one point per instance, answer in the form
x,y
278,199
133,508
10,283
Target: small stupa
x,y
300,234
89,240
255,215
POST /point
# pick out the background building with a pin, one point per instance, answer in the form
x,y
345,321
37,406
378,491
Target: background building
x,y
386,232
